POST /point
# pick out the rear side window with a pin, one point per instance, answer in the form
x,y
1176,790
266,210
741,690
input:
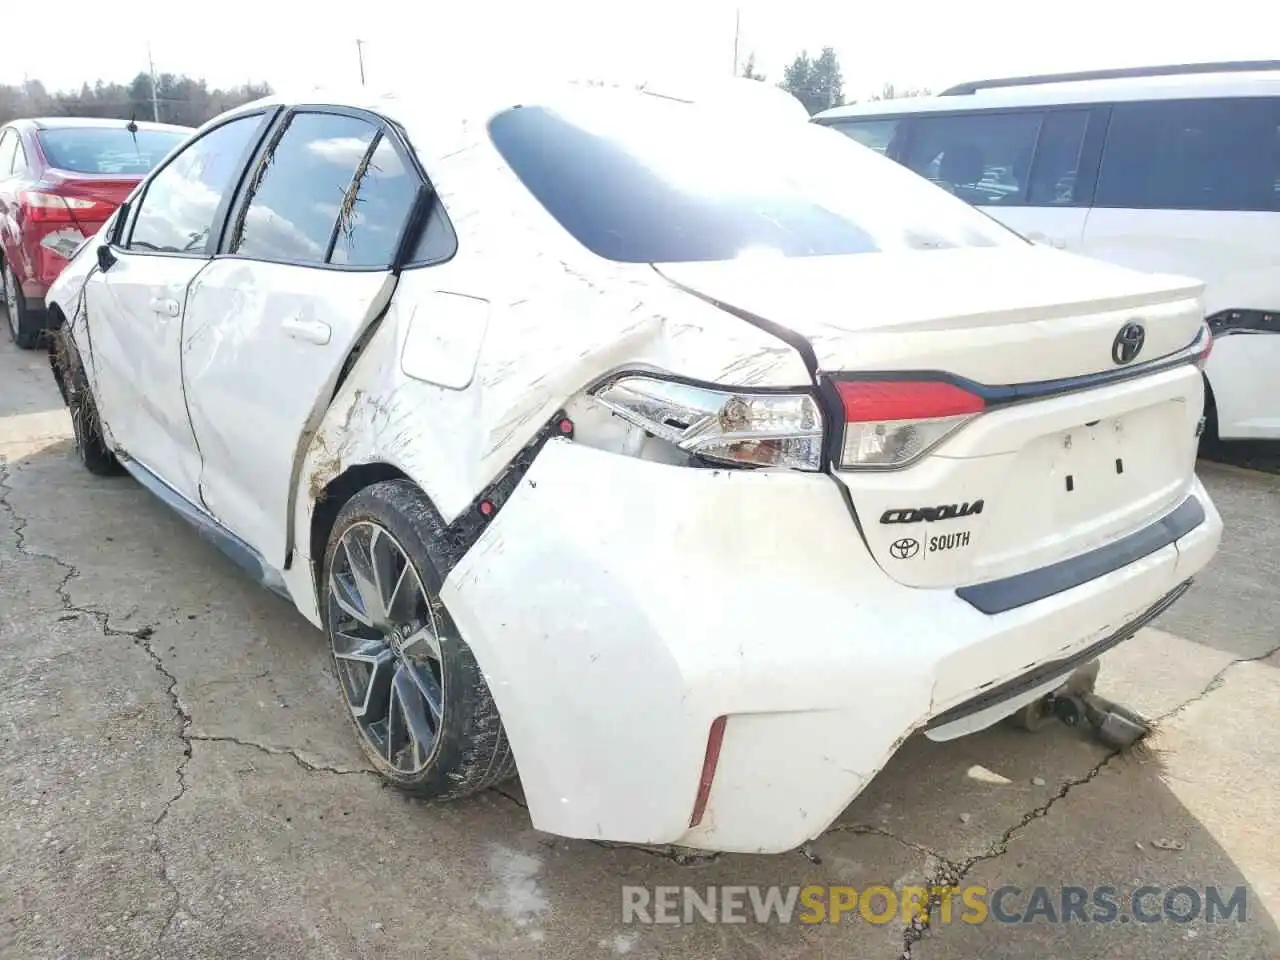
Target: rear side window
x,y
1192,155
177,211
369,233
107,149
982,158
639,179
876,134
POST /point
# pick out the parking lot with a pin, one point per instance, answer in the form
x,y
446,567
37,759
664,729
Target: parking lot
x,y
178,780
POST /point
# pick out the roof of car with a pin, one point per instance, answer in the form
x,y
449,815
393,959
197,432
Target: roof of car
x,y
443,124
1256,83
55,123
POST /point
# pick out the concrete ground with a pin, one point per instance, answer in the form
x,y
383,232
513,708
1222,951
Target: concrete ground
x,y
177,779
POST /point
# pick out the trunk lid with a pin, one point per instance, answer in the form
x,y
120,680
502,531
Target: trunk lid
x,y
991,315
1028,482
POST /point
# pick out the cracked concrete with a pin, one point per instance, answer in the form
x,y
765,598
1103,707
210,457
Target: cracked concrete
x,y
178,780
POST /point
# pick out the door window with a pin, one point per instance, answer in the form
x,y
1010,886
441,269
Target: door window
x,y
876,134
1056,168
177,212
1192,155
983,158
305,193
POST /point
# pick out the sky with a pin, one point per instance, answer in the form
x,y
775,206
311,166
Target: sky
x,y
919,43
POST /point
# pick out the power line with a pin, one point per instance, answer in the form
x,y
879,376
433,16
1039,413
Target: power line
x,y
155,102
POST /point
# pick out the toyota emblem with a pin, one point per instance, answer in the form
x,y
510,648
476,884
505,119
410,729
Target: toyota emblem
x,y
1128,343
904,549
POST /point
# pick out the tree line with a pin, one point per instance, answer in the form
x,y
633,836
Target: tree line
x,y
818,83
177,99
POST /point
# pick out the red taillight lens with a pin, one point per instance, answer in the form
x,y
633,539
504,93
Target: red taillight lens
x,y
890,423
868,401
41,206
1202,358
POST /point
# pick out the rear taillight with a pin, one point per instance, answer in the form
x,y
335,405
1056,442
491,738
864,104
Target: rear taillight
x,y
721,424
891,423
1206,348
41,206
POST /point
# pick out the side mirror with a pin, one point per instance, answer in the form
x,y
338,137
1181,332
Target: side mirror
x,y
106,259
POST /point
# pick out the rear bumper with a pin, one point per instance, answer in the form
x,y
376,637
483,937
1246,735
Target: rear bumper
x,y
1006,696
618,607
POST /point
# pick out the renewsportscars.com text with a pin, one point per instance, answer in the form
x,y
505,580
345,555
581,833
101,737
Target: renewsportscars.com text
x,y
816,904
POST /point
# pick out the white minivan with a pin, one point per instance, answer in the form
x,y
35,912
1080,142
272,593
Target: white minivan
x,y
1168,169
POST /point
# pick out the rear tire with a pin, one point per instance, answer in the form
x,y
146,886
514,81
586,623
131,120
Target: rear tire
x,y
25,325
91,446
412,688
1210,442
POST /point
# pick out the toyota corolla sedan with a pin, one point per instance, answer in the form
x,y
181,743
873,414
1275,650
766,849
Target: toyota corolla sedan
x,y
682,466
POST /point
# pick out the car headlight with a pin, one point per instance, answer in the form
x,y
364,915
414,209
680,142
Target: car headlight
x,y
726,425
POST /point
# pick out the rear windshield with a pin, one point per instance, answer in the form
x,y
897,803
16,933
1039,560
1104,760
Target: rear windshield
x,y
639,179
107,149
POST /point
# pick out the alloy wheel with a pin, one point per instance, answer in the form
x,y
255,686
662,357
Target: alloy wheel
x,y
386,647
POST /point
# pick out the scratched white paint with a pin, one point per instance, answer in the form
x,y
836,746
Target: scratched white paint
x,y
619,603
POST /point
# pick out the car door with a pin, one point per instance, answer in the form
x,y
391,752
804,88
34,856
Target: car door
x,y
135,307
305,268
1020,166
1192,187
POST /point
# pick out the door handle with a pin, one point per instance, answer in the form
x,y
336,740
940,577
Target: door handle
x,y
309,331
166,306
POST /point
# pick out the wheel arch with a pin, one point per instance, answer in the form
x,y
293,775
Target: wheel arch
x,y
60,346
1210,410
330,500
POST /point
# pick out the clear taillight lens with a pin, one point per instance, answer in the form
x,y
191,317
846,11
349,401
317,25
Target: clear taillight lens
x,y
891,423
731,426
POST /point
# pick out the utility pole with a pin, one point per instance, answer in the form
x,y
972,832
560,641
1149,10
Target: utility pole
x,y
737,28
155,98
360,54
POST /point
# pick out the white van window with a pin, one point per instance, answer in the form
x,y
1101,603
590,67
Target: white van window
x,y
876,134
1192,155
983,158
1057,162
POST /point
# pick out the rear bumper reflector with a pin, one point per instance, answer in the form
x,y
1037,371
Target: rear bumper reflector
x,y
1009,593
1056,669
714,742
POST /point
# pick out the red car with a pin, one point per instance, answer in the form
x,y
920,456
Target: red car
x,y
60,179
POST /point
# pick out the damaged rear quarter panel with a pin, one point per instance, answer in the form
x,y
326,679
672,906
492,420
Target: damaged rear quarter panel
x,y
555,319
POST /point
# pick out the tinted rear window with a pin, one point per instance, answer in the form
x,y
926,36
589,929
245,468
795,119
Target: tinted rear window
x,y
107,149
643,180
1193,155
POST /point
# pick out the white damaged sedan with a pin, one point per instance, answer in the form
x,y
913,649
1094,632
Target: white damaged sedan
x,y
682,465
